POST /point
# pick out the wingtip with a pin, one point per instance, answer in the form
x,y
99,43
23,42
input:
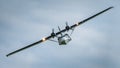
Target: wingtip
x,y
7,55
112,7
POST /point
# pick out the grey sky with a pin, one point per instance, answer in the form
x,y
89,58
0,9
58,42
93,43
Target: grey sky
x,y
95,44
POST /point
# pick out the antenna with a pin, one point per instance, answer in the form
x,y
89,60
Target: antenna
x,y
60,30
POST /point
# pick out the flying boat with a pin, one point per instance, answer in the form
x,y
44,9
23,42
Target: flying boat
x,y
62,37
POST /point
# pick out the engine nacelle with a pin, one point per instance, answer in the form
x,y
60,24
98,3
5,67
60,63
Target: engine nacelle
x,y
67,27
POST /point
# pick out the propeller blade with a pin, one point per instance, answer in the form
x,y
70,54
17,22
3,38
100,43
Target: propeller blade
x,y
52,30
66,23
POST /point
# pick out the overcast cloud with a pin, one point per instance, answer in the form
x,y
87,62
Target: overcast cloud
x,y
95,44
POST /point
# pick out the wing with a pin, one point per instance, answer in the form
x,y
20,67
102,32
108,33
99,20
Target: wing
x,y
85,20
64,30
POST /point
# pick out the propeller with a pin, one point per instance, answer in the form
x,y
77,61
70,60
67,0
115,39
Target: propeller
x,y
67,27
53,33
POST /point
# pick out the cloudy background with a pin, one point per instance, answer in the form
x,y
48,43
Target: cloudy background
x,y
95,44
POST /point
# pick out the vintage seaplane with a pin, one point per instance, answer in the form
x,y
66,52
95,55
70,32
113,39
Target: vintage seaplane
x,y
62,39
